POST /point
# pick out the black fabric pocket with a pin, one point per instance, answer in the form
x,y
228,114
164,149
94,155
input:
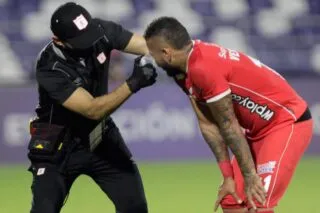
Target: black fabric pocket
x,y
46,142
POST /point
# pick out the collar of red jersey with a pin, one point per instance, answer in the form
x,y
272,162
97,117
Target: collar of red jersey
x,y
193,42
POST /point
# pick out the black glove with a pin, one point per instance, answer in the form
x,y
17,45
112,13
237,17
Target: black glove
x,y
142,76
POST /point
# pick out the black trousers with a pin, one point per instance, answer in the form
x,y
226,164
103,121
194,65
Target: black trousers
x,y
110,166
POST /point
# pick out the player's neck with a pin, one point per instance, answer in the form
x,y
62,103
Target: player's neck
x,y
184,57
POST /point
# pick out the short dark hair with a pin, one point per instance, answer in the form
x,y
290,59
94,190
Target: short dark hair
x,y
170,29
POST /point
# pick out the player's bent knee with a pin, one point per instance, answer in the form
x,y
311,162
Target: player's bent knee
x,y
232,206
229,203
50,208
136,208
43,204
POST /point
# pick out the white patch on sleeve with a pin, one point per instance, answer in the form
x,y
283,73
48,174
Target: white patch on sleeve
x,y
41,171
101,58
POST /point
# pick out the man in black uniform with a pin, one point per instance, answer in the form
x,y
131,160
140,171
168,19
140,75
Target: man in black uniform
x,y
73,133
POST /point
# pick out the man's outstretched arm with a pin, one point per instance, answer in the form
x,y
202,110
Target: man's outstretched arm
x,y
79,100
137,45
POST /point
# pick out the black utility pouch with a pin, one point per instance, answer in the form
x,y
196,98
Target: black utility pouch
x,y
47,142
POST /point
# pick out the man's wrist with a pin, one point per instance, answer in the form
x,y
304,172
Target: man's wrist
x,y
249,174
126,85
132,85
226,169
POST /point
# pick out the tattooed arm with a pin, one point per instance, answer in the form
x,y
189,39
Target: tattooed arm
x,y
210,132
223,114
212,136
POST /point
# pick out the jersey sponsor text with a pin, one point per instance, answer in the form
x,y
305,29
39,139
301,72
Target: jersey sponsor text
x,y
262,110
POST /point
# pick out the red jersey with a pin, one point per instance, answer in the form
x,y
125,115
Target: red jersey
x,y
262,99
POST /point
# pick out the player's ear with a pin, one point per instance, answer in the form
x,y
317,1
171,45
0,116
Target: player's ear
x,y
165,51
167,54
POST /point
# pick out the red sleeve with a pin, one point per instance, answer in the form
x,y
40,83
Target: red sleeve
x,y
211,82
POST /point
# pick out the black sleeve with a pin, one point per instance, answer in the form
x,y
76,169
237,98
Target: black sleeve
x,y
57,84
118,36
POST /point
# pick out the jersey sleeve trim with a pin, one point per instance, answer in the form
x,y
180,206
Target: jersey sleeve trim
x,y
219,96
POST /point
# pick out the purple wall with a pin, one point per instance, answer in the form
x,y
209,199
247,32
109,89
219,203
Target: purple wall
x,y
157,123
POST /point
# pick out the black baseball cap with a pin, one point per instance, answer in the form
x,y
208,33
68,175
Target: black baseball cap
x,y
73,24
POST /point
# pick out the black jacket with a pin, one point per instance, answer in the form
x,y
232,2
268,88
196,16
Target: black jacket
x,y
59,75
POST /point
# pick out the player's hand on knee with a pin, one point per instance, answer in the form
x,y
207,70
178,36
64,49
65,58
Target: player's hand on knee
x,y
143,75
254,190
228,187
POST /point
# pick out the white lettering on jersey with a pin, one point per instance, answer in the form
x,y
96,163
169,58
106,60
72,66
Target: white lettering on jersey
x,y
223,53
266,167
234,55
260,65
263,111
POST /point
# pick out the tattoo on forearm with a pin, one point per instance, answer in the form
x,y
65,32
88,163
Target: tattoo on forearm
x,y
230,130
240,148
216,144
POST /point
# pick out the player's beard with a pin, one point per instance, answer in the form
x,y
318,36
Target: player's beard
x,y
170,70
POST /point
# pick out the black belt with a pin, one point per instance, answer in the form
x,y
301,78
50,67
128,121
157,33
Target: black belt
x,y
305,116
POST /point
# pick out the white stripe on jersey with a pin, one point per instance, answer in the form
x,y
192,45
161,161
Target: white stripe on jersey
x,y
218,97
279,164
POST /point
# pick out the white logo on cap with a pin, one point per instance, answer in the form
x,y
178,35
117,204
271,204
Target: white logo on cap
x,y
101,58
81,22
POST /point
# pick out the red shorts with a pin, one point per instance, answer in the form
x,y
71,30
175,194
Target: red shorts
x,y
276,157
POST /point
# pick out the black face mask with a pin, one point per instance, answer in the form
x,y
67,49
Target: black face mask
x,y
98,46
79,53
